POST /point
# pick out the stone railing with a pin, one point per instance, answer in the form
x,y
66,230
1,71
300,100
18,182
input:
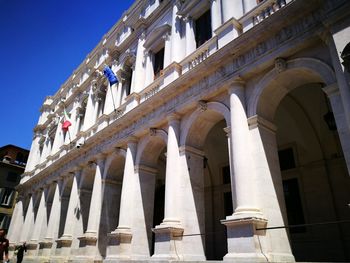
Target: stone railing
x,y
227,32
261,12
198,56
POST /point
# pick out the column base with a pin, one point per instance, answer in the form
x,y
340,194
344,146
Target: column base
x,y
63,247
119,244
243,240
168,236
45,247
32,248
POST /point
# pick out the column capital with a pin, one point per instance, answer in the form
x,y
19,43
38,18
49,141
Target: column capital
x,y
235,84
173,117
227,130
132,139
260,122
331,90
189,149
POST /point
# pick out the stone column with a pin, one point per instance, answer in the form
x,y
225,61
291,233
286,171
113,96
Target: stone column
x,y
40,225
343,85
229,10
171,228
247,216
76,118
216,20
91,234
167,50
270,193
89,117
340,119
28,221
149,74
177,47
190,37
111,98
54,220
16,225
46,149
123,234
143,211
34,154
192,200
139,73
59,140
65,241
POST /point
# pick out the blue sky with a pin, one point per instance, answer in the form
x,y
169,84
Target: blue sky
x,y
41,43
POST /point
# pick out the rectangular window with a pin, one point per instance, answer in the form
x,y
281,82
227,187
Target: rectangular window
x,y
203,28
286,159
158,63
4,221
6,196
294,206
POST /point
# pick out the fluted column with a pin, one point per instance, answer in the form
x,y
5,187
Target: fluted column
x,y
59,139
216,19
241,233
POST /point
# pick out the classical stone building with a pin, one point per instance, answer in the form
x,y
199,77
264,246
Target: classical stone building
x,y
229,126
12,162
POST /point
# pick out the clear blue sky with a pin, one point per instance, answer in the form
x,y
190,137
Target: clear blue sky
x,y
41,43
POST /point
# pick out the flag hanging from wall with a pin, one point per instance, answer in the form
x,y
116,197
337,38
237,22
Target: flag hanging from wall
x,y
112,78
66,121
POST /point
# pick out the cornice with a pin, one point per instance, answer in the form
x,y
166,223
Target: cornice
x,y
186,90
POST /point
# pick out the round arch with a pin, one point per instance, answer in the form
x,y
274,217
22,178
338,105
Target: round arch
x,y
214,111
152,144
275,85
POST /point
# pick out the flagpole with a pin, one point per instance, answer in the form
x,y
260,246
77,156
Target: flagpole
x,y
110,86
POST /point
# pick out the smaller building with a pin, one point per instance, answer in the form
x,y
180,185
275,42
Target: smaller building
x,y
13,160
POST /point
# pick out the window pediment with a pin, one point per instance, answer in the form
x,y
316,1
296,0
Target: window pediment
x,y
152,39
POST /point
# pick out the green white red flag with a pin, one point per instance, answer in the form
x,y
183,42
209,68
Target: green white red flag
x,y
66,121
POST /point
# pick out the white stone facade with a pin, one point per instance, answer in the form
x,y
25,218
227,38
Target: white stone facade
x,y
216,133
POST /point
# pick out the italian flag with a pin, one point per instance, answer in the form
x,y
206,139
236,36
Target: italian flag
x,y
66,121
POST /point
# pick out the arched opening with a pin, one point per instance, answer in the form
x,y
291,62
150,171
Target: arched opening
x,y
151,162
207,163
311,161
111,190
314,175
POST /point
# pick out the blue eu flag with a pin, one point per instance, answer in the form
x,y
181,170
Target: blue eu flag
x,y
112,78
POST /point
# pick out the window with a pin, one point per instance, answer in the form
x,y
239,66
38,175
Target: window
x,y
6,196
203,28
286,159
294,207
158,64
20,158
4,221
128,84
